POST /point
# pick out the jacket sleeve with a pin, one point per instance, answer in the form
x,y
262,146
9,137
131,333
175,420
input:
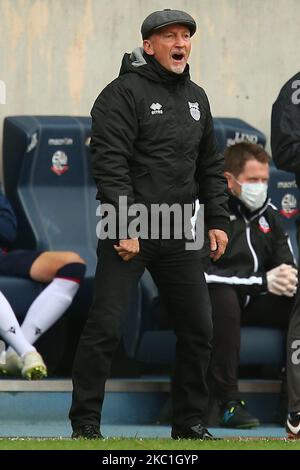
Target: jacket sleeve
x,y
285,133
253,283
211,180
114,130
8,222
282,249
246,283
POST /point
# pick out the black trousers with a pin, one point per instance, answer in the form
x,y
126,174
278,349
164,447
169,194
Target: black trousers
x,y
293,345
179,276
293,356
228,317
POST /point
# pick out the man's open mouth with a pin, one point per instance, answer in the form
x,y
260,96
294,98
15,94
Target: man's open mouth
x,y
178,57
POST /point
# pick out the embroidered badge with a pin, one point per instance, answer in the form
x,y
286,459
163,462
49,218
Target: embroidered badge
x,y
194,110
263,225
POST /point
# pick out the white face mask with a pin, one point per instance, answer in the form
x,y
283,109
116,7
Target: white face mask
x,y
253,195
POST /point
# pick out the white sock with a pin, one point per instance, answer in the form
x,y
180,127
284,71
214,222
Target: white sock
x,y
48,307
10,329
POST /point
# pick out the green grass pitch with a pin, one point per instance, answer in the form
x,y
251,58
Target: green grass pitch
x,y
147,444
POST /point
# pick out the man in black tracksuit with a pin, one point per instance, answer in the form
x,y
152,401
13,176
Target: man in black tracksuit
x,y
285,142
153,142
254,282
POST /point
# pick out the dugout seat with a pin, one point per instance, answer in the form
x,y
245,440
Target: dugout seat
x,y
231,131
48,181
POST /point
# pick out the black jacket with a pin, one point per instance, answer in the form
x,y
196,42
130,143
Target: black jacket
x,y
257,243
147,145
285,128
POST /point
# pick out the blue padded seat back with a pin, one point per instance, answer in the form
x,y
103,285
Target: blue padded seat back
x,y
259,346
262,346
47,178
231,131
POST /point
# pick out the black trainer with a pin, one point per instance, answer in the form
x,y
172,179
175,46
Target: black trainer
x,y
87,431
191,432
234,414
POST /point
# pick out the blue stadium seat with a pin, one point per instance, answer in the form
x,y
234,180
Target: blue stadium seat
x,y
262,346
231,131
48,182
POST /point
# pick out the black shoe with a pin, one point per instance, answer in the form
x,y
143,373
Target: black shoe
x,y
234,414
87,431
191,432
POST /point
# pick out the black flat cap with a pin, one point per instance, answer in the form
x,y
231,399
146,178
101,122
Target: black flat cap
x,y
159,19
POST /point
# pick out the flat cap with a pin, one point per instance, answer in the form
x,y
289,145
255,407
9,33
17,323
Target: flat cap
x,y
159,19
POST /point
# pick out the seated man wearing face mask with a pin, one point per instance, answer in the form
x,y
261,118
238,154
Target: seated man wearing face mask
x,y
254,282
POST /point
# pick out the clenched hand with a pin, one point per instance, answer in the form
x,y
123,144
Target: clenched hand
x,y
127,249
282,280
218,242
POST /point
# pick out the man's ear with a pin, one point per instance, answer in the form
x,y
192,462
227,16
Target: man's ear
x,y
230,180
147,46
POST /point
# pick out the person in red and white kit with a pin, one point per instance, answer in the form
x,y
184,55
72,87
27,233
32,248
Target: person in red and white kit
x,y
62,271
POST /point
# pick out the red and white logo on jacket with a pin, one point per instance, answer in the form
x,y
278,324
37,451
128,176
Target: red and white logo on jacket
x,y
263,225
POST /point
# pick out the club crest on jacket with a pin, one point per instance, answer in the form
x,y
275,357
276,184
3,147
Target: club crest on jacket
x,y
264,225
194,110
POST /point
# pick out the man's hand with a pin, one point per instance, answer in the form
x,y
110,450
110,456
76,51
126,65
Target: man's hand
x,y
127,249
282,280
218,242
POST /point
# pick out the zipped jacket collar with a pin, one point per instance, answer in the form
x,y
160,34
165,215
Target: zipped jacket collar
x,y
237,206
143,64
